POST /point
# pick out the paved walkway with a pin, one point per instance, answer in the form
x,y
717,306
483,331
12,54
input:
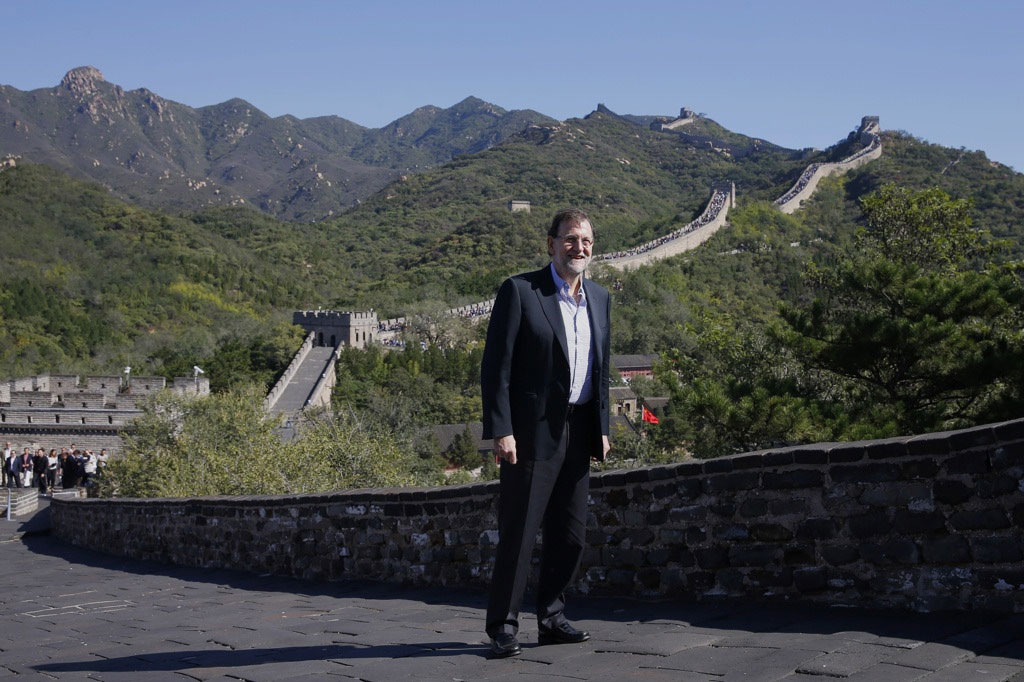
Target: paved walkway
x,y
72,614
298,389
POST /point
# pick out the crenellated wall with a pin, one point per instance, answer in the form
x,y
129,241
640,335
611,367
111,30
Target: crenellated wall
x,y
927,522
289,373
56,410
808,181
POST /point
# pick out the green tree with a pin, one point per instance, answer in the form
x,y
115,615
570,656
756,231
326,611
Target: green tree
x,y
907,333
227,444
463,452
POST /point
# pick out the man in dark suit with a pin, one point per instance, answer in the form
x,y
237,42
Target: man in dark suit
x,y
544,380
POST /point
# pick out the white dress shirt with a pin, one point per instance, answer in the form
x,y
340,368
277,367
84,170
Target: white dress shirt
x,y
577,337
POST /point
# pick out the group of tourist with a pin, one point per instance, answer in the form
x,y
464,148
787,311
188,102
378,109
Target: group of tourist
x,y
809,172
47,471
805,177
710,213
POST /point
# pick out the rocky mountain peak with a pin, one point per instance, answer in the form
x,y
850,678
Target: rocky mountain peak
x,y
82,80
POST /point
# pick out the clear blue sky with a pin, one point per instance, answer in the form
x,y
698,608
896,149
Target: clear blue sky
x,y
798,73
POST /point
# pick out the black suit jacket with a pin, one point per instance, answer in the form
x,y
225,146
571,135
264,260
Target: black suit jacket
x,y
525,370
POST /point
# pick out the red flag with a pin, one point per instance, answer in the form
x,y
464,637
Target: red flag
x,y
648,416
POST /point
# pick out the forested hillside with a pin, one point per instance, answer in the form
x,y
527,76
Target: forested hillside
x,y
91,283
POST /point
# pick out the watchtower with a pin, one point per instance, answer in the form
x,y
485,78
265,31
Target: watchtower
x,y
339,328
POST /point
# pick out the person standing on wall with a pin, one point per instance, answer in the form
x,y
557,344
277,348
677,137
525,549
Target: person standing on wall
x,y
544,381
4,476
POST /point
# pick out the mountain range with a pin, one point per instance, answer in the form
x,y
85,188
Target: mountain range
x,y
139,231
157,152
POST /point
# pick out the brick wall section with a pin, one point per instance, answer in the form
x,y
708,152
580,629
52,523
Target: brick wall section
x,y
929,522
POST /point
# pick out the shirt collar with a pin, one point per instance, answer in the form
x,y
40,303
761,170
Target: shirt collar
x,y
562,287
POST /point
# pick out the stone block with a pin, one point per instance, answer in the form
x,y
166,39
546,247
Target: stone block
x,y
723,509
746,480
731,580
753,508
649,578
798,478
919,468
685,469
618,557
811,455
770,532
846,452
663,490
810,580
748,462
865,473
771,579
816,529
722,465
875,522
661,473
996,550
689,489
951,491
673,581
949,549
779,458
1009,431
912,523
695,536
929,445
886,449
967,463
640,475
891,551
710,558
694,514
640,536
895,493
800,555
997,486
657,518
731,532
981,519
788,505
1007,580
1009,456
617,498
620,578
979,436
754,555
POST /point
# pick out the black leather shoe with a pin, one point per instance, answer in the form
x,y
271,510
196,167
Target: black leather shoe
x,y
504,645
563,633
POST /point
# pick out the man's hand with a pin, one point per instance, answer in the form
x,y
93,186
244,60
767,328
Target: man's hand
x,y
605,447
505,449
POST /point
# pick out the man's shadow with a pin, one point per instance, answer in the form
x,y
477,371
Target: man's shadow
x,y
222,658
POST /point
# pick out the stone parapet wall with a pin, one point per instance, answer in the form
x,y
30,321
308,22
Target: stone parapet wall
x,y
928,522
868,134
63,435
713,218
289,372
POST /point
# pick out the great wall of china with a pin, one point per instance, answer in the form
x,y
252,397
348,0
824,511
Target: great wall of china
x,y
307,383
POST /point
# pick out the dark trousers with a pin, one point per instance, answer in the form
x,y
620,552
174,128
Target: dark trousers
x,y
549,494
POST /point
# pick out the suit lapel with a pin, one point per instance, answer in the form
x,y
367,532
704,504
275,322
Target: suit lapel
x,y
548,296
596,329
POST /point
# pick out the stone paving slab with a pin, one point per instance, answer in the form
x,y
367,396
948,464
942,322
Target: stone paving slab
x,y
81,615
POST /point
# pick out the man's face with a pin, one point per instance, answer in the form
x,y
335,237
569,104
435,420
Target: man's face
x,y
572,249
